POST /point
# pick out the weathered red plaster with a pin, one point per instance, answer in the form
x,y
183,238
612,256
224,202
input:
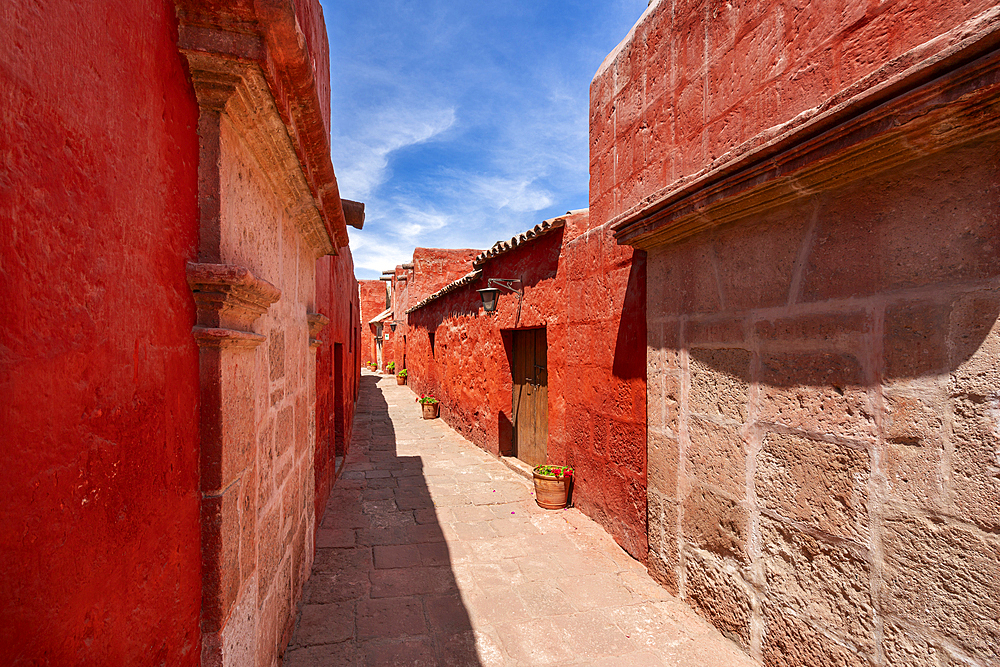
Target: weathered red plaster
x,y
373,301
99,538
693,83
430,270
158,500
337,297
589,294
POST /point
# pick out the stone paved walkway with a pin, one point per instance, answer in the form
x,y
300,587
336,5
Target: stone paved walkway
x,y
433,552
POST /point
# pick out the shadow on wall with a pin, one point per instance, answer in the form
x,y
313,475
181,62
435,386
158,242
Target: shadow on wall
x,y
382,590
630,343
432,315
505,433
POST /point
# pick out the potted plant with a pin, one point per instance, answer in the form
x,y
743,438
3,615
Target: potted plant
x,y
429,405
552,486
401,377
391,368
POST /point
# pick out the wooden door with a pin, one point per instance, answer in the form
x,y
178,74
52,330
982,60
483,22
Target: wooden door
x,y
531,396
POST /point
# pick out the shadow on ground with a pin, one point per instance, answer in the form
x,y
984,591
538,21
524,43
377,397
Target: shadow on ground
x,y
382,589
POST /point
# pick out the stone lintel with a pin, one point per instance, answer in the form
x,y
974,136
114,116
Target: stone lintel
x,y
229,296
921,105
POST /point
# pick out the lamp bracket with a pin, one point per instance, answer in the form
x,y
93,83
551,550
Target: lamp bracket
x,y
507,284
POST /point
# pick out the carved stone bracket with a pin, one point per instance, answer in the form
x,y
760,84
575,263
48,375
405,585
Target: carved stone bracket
x,y
229,299
317,321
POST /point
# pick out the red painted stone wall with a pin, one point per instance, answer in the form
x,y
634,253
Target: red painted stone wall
x,y
372,300
596,364
822,363
430,270
692,82
99,535
433,268
337,297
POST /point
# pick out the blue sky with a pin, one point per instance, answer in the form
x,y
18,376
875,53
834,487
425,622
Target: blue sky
x,y
460,123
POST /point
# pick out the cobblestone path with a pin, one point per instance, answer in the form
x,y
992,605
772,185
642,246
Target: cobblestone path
x,y
433,552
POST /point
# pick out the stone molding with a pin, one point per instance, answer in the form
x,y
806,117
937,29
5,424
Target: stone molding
x,y
228,296
226,338
237,88
268,35
317,322
921,104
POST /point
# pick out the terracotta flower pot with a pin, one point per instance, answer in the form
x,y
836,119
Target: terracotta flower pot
x,y
551,492
400,379
430,410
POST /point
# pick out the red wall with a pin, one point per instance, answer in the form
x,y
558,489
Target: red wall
x,y
432,269
337,297
100,539
693,82
596,364
372,294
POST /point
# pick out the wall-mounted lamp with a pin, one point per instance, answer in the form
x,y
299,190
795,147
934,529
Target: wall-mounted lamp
x,y
392,325
491,294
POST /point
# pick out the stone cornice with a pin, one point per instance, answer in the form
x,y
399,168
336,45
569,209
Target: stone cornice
x,y
226,338
237,88
317,322
229,297
921,104
264,39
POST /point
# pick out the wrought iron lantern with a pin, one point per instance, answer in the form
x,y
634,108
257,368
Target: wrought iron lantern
x,y
491,293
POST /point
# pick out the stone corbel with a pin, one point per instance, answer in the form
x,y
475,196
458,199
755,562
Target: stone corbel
x,y
229,300
317,321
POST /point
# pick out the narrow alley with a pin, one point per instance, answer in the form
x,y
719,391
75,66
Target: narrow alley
x,y
433,552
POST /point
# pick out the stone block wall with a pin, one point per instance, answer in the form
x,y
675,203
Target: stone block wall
x,y
815,188
698,82
587,292
338,368
823,421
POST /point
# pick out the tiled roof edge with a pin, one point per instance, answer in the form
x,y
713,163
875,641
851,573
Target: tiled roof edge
x,y
450,287
503,247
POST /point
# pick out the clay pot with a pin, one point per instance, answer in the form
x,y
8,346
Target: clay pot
x,y
400,379
430,410
551,492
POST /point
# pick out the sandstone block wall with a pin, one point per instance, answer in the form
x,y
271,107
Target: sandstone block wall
x,y
695,81
275,482
823,421
587,292
815,186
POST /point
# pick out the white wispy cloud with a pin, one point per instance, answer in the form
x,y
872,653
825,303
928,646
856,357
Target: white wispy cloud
x,y
361,157
471,124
